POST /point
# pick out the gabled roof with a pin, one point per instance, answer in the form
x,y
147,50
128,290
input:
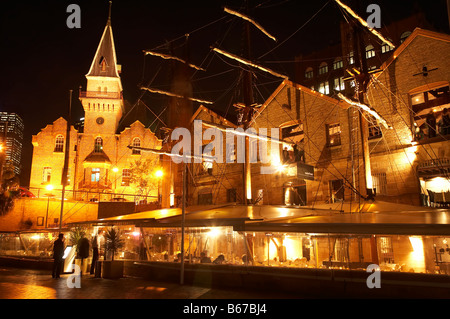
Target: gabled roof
x,y
416,33
105,54
97,157
305,89
214,114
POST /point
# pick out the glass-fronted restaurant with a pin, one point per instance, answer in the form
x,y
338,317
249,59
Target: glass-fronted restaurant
x,y
266,236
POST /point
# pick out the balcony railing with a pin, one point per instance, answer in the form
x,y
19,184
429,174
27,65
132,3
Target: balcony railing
x,y
101,95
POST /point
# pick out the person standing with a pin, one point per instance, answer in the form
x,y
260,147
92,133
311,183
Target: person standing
x,y
83,252
431,123
94,254
58,253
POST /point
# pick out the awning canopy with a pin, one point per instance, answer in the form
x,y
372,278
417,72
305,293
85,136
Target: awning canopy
x,y
379,218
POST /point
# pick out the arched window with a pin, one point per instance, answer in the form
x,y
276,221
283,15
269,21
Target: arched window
x,y
59,144
338,64
370,51
404,36
386,47
323,68
136,143
309,73
351,58
98,146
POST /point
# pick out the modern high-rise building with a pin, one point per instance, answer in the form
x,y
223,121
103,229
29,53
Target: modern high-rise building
x,y
11,138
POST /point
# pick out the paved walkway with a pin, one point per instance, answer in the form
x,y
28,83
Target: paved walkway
x,y
38,284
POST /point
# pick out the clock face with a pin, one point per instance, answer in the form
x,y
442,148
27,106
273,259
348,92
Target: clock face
x,y
100,120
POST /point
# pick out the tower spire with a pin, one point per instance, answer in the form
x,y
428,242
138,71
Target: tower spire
x,y
109,13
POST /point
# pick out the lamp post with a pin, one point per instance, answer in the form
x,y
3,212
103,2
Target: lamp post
x,y
49,187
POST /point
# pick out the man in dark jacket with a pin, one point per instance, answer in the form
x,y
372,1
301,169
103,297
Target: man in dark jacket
x,y
58,253
83,251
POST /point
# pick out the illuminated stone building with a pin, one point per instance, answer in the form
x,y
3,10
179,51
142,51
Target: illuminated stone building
x,y
406,164
99,155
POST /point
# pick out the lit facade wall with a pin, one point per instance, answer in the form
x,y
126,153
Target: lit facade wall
x,y
11,137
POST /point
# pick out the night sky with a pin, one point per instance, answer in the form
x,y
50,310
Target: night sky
x,y
42,59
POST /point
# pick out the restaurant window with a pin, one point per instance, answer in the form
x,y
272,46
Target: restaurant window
x,y
59,144
98,145
333,134
95,174
341,252
338,64
429,104
386,249
324,88
339,84
136,143
323,68
47,174
126,176
309,73
370,51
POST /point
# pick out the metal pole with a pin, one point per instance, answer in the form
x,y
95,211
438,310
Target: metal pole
x,y
66,161
46,215
183,207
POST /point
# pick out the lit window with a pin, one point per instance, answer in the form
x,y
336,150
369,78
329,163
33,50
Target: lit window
x,y
309,73
126,175
386,47
47,175
323,68
339,84
333,134
207,164
98,146
351,58
370,51
95,174
59,144
324,88
136,143
338,64
429,104
380,183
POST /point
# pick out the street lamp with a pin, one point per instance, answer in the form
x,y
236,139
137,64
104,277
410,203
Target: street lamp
x,y
159,174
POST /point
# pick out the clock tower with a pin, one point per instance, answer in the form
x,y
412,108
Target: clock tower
x,y
102,101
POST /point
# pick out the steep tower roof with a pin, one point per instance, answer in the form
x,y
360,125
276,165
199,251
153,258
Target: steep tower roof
x,y
105,61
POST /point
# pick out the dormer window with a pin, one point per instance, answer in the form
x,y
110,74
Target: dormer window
x,y
103,63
